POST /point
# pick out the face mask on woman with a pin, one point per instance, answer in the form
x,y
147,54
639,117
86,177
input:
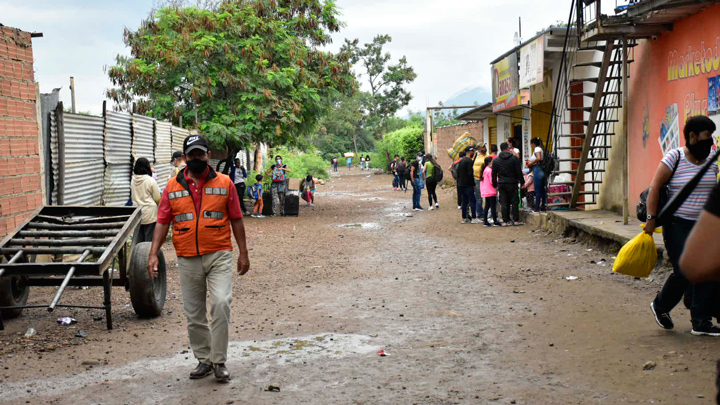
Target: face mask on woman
x,y
278,161
701,149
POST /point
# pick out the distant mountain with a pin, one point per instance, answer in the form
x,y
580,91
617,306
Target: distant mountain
x,y
472,96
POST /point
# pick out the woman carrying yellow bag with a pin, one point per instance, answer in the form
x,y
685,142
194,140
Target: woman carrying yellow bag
x,y
676,169
638,257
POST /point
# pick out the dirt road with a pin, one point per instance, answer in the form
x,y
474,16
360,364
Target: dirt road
x,y
468,315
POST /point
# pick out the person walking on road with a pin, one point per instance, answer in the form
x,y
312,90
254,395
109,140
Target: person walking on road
x,y
478,162
146,195
278,185
674,171
430,167
507,176
538,174
349,162
203,207
466,184
335,164
401,169
416,181
453,171
393,170
488,192
239,176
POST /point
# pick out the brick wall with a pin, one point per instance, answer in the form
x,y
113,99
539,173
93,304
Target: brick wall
x,y
446,136
20,178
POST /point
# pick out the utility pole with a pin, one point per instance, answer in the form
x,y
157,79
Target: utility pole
x,y
626,141
72,94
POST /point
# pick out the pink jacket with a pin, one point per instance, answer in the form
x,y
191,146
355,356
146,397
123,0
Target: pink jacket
x,y
486,187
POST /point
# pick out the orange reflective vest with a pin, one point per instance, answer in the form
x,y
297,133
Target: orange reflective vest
x,y
208,231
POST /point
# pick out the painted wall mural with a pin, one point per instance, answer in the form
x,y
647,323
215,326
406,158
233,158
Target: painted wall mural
x,y
670,130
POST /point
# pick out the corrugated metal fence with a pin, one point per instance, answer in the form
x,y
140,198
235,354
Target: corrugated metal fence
x,y
100,151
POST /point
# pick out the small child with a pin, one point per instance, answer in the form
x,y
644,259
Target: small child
x,y
529,186
308,190
488,192
256,192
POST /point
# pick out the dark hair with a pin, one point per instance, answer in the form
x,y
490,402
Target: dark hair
x,y
511,141
402,158
537,142
462,154
486,163
142,166
308,178
259,177
493,148
278,157
397,156
697,124
504,146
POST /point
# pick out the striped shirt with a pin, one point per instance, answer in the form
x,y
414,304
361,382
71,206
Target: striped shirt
x,y
691,208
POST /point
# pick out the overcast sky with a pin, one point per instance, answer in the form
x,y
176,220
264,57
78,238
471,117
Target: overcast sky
x,y
450,43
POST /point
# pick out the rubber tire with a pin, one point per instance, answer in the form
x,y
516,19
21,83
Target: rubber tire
x,y
13,292
147,294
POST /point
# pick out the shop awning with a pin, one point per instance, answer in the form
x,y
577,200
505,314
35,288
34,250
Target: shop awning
x,y
478,113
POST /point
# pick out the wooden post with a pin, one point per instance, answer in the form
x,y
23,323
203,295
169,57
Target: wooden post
x,y
626,154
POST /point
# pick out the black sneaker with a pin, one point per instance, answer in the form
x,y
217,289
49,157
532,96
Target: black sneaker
x,y
662,319
706,330
201,371
222,374
487,224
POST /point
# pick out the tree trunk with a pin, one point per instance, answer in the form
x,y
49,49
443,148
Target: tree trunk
x,y
257,165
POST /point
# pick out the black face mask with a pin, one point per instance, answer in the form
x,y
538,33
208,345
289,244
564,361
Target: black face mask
x,y
197,166
701,149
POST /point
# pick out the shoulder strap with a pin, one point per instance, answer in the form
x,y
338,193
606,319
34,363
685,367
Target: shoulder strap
x,y
677,162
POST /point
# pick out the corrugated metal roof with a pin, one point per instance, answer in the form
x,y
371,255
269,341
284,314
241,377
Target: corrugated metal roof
x,y
163,173
83,137
163,142
116,184
143,137
178,137
118,139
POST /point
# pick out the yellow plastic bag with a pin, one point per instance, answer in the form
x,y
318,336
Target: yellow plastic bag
x,y
460,144
638,257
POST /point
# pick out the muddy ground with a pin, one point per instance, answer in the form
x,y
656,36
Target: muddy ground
x,y
468,315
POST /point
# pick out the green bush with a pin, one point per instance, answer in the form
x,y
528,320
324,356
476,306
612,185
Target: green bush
x,y
404,142
302,164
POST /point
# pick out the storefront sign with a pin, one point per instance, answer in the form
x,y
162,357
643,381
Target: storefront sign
x,y
505,83
532,60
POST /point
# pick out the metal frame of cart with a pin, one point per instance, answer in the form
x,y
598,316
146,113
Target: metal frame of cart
x,y
98,235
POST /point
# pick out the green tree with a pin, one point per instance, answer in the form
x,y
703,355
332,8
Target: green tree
x,y
342,127
245,71
386,81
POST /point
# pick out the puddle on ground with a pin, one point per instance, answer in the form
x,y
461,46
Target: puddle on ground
x,y
372,199
399,215
340,194
282,351
360,225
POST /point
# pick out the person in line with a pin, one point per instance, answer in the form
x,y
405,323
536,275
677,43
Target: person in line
x,y
393,170
700,260
402,167
307,190
367,162
430,167
529,189
203,207
362,162
453,171
675,170
239,174
416,181
178,163
478,162
466,184
256,192
507,176
277,188
146,195
512,145
539,178
488,192
334,162
349,162
493,151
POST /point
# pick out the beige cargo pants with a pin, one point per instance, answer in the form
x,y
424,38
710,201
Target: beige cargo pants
x,y
199,275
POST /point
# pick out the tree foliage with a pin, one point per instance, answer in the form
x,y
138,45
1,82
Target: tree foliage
x,y
249,70
406,141
341,129
386,81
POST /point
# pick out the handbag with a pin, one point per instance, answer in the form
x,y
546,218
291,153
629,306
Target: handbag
x,y
663,197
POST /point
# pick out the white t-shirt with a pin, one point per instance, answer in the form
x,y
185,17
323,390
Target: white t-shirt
x,y
538,149
516,151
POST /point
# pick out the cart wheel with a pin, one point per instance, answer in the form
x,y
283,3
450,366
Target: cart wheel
x,y
147,294
13,293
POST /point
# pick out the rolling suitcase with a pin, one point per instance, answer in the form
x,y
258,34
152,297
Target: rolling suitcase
x,y
292,203
267,203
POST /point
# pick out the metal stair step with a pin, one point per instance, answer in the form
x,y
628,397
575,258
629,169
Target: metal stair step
x,y
570,193
599,64
567,204
605,93
572,183
578,160
589,109
601,48
582,135
586,122
575,171
580,147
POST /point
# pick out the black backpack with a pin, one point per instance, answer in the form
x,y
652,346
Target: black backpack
x,y
437,174
548,163
454,170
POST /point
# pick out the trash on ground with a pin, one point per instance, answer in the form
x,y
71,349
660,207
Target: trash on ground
x,y
66,320
382,353
97,318
570,278
650,365
516,291
30,332
81,334
272,388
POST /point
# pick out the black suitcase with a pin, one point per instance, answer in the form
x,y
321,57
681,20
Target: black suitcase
x,y
292,204
267,203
